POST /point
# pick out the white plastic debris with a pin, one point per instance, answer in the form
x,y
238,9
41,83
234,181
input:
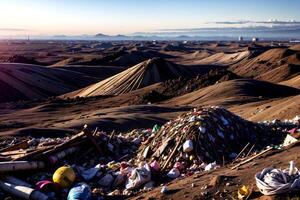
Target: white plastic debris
x,y
188,146
292,170
164,190
138,177
276,181
137,141
202,129
289,140
173,173
211,166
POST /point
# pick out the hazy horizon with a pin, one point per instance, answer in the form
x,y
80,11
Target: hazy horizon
x,y
161,17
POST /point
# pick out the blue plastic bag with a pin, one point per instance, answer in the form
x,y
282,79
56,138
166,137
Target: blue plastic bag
x,y
80,191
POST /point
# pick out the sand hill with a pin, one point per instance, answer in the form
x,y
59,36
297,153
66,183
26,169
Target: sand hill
x,y
139,76
112,58
282,73
265,62
234,92
293,82
224,58
28,82
295,47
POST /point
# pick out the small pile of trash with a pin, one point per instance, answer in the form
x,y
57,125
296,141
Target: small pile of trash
x,y
205,135
282,125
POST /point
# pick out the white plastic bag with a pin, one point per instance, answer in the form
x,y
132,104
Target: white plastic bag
x,y
188,146
138,177
173,173
211,166
276,181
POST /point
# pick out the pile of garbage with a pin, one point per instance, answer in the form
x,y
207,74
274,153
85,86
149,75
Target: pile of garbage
x,y
61,168
202,136
95,164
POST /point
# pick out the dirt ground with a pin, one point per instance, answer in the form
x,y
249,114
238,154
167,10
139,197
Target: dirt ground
x,y
224,182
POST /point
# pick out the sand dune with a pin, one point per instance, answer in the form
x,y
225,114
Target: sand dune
x,y
279,108
133,57
99,72
121,57
139,76
234,92
224,58
200,54
265,62
282,73
295,47
28,82
146,82
293,82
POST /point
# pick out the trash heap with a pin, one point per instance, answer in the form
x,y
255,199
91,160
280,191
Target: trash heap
x,y
203,136
63,168
95,164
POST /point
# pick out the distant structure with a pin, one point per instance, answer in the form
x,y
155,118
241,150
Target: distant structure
x,y
255,39
28,40
294,41
241,39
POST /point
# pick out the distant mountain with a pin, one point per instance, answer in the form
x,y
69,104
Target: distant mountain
x,y
101,35
183,36
60,36
120,35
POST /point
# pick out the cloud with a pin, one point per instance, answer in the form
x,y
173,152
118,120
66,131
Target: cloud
x,y
269,22
13,29
232,22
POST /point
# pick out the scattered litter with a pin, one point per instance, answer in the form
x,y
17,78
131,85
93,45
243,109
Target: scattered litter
x,y
164,190
211,166
244,192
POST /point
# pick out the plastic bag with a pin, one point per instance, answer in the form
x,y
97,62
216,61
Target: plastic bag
x,y
173,173
106,181
88,174
276,181
138,177
211,166
188,146
80,191
155,165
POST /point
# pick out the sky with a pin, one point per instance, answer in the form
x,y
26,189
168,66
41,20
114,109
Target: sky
x,y
75,17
